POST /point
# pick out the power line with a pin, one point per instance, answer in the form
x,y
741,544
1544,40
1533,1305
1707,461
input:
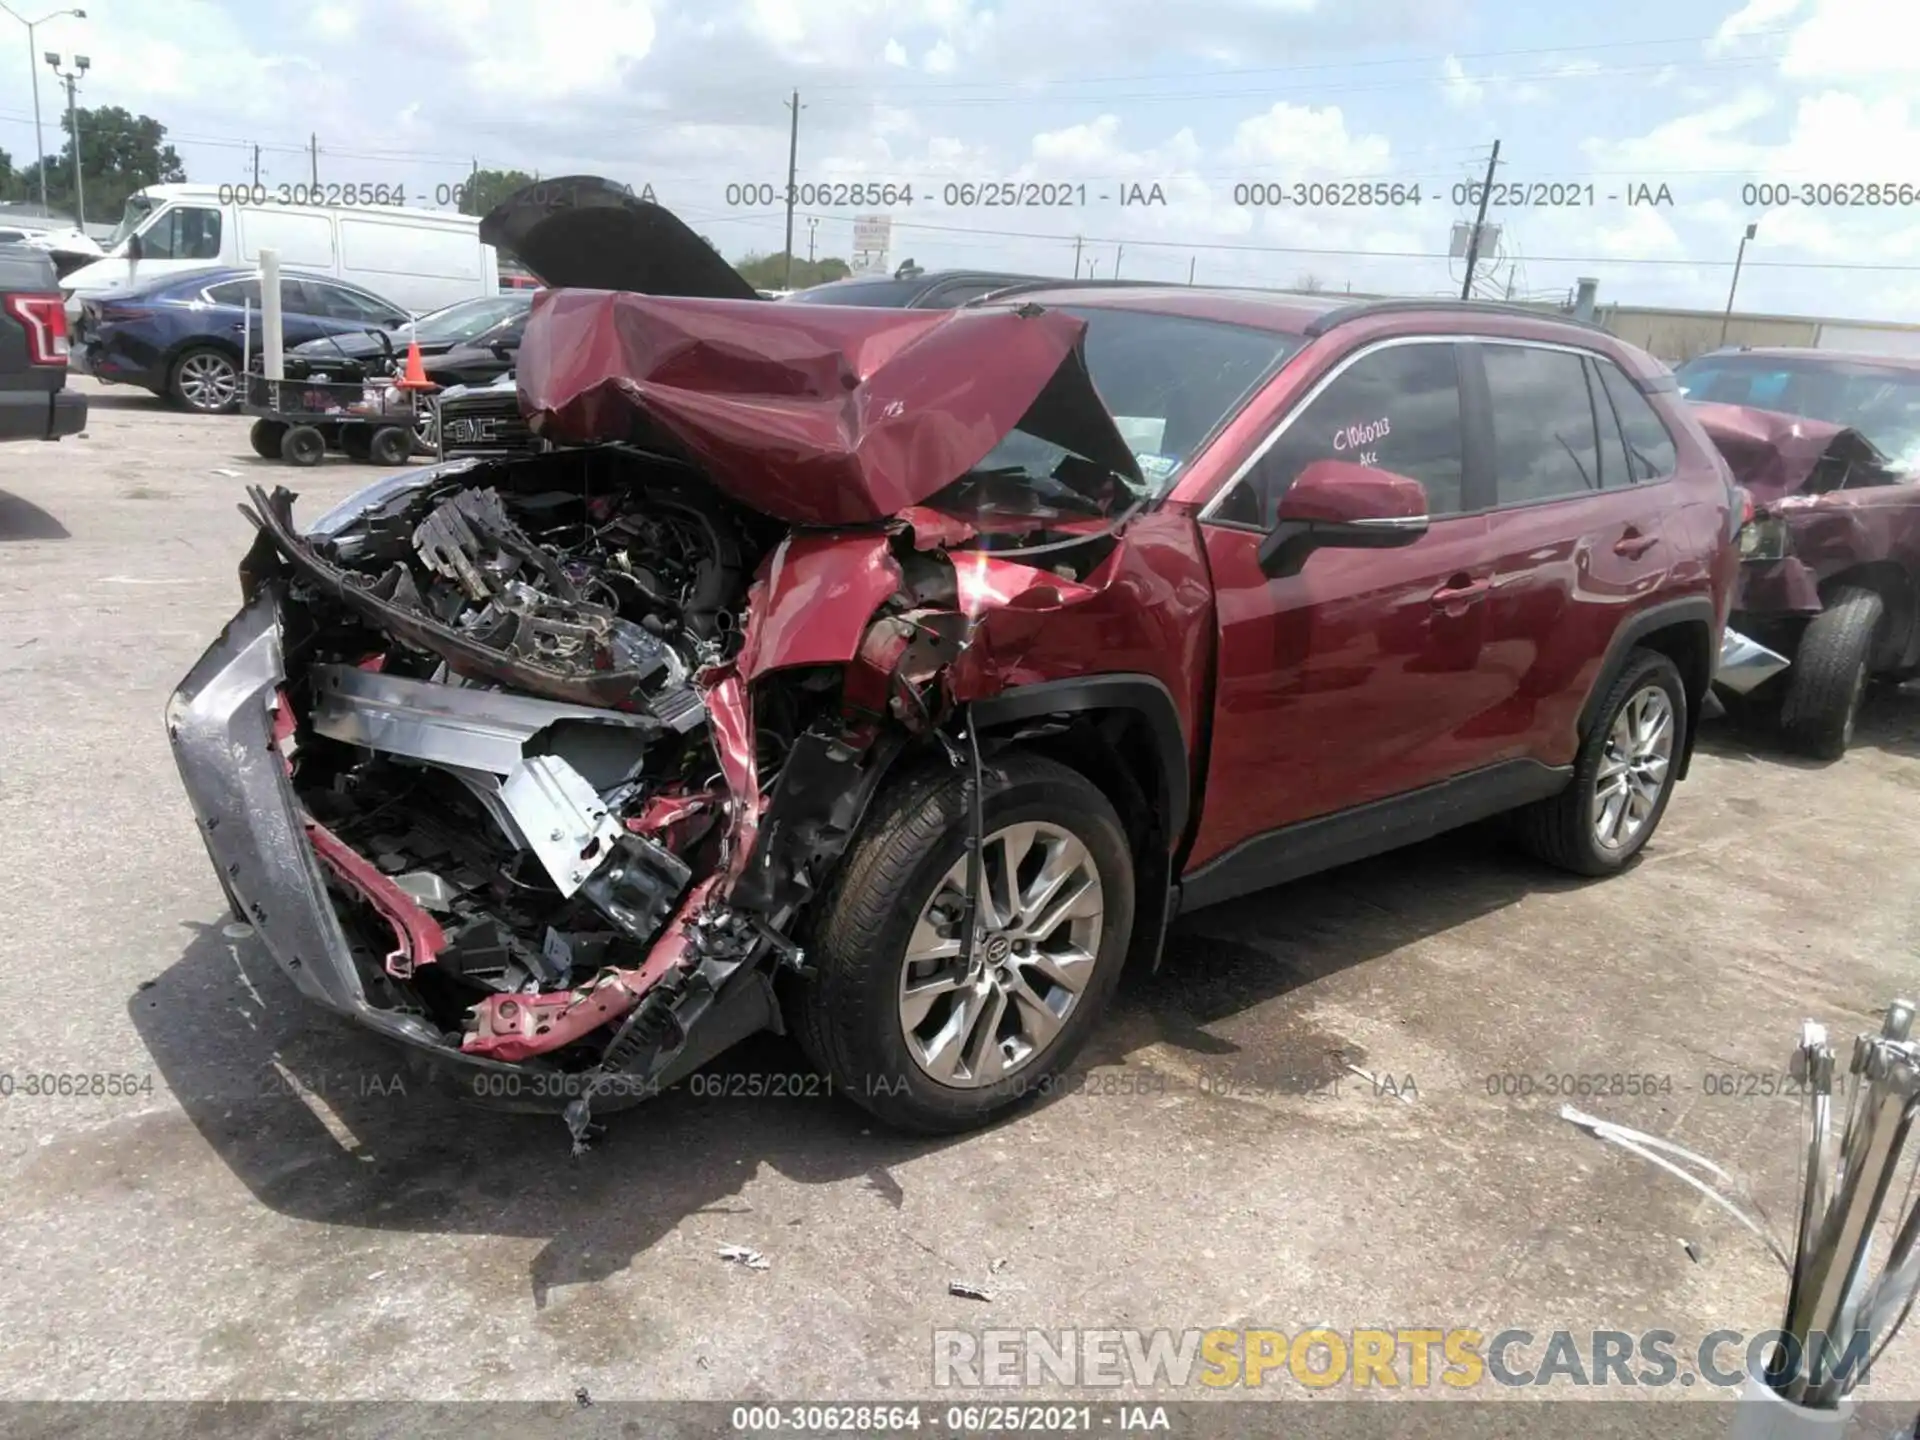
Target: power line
x,y
1305,69
1239,248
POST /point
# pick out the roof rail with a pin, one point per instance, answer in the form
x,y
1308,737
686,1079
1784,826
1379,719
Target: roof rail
x,y
1321,324
1022,287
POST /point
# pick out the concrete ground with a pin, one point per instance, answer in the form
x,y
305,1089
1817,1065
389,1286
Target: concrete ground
x,y
273,1209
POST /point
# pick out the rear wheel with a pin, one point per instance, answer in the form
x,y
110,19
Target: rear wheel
x,y
1829,673
303,445
265,438
206,380
1623,775
896,1019
391,445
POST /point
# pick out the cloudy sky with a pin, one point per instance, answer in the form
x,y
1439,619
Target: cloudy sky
x,y
1202,98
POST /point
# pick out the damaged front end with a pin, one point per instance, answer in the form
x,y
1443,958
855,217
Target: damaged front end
x,y
534,763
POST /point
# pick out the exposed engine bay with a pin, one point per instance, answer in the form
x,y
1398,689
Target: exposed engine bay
x,y
517,722
538,761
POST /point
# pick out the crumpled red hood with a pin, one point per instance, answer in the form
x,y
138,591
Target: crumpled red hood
x,y
814,414
1773,454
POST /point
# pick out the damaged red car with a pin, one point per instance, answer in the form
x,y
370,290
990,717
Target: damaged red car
x,y
1828,447
895,677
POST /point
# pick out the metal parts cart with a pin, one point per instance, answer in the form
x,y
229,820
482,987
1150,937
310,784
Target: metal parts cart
x,y
299,421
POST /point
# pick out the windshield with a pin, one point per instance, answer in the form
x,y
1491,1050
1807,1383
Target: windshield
x,y
139,207
1882,402
467,319
858,292
1170,383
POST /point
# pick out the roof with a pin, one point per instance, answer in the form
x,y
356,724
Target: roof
x,y
1261,309
1808,352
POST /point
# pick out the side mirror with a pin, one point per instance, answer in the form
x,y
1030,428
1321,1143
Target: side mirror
x,y
135,249
1336,504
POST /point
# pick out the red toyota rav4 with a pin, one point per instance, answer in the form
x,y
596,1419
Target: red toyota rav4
x,y
896,675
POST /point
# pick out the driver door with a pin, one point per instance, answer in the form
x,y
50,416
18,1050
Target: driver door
x,y
1359,678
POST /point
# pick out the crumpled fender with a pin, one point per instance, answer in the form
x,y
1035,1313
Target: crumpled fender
x,y
816,600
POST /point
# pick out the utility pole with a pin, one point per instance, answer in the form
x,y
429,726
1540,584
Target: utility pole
x,y
69,78
813,224
1118,251
793,172
1192,260
1479,223
313,154
1724,319
256,167
39,143
1076,257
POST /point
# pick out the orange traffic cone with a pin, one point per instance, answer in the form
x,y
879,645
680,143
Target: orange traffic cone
x,y
415,377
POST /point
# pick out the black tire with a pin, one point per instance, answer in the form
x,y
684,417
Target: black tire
x,y
206,380
1561,829
391,445
848,1014
303,445
265,438
1829,673
354,442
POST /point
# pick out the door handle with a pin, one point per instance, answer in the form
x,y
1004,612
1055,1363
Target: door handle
x,y
1460,590
1633,544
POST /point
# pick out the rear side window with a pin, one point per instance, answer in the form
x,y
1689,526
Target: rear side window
x,y
1616,469
1649,445
1397,408
1544,443
235,293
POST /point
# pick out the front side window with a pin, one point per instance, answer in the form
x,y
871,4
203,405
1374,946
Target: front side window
x,y
187,232
1544,443
344,304
1397,408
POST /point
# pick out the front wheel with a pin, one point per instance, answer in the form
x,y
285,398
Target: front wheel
x,y
899,1020
1623,775
1829,673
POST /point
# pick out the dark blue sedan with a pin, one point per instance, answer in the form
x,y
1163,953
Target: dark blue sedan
x,y
180,335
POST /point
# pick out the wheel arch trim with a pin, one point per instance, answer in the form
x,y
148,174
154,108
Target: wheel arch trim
x,y
1687,611
1142,694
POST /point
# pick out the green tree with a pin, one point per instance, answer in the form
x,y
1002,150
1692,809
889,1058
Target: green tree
x,y
484,189
119,153
8,180
769,272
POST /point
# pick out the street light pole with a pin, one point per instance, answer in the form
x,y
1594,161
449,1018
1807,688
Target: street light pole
x,y
1736,280
70,77
39,144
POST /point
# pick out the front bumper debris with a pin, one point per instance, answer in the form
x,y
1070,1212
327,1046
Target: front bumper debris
x,y
1746,664
221,722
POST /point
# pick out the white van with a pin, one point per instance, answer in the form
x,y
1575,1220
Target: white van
x,y
420,259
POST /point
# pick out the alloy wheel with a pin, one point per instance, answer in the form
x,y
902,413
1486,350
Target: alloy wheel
x,y
1633,770
208,381
1036,938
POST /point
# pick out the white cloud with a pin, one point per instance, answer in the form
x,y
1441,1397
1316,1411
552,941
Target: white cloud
x,y
896,53
1754,16
939,60
1462,91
